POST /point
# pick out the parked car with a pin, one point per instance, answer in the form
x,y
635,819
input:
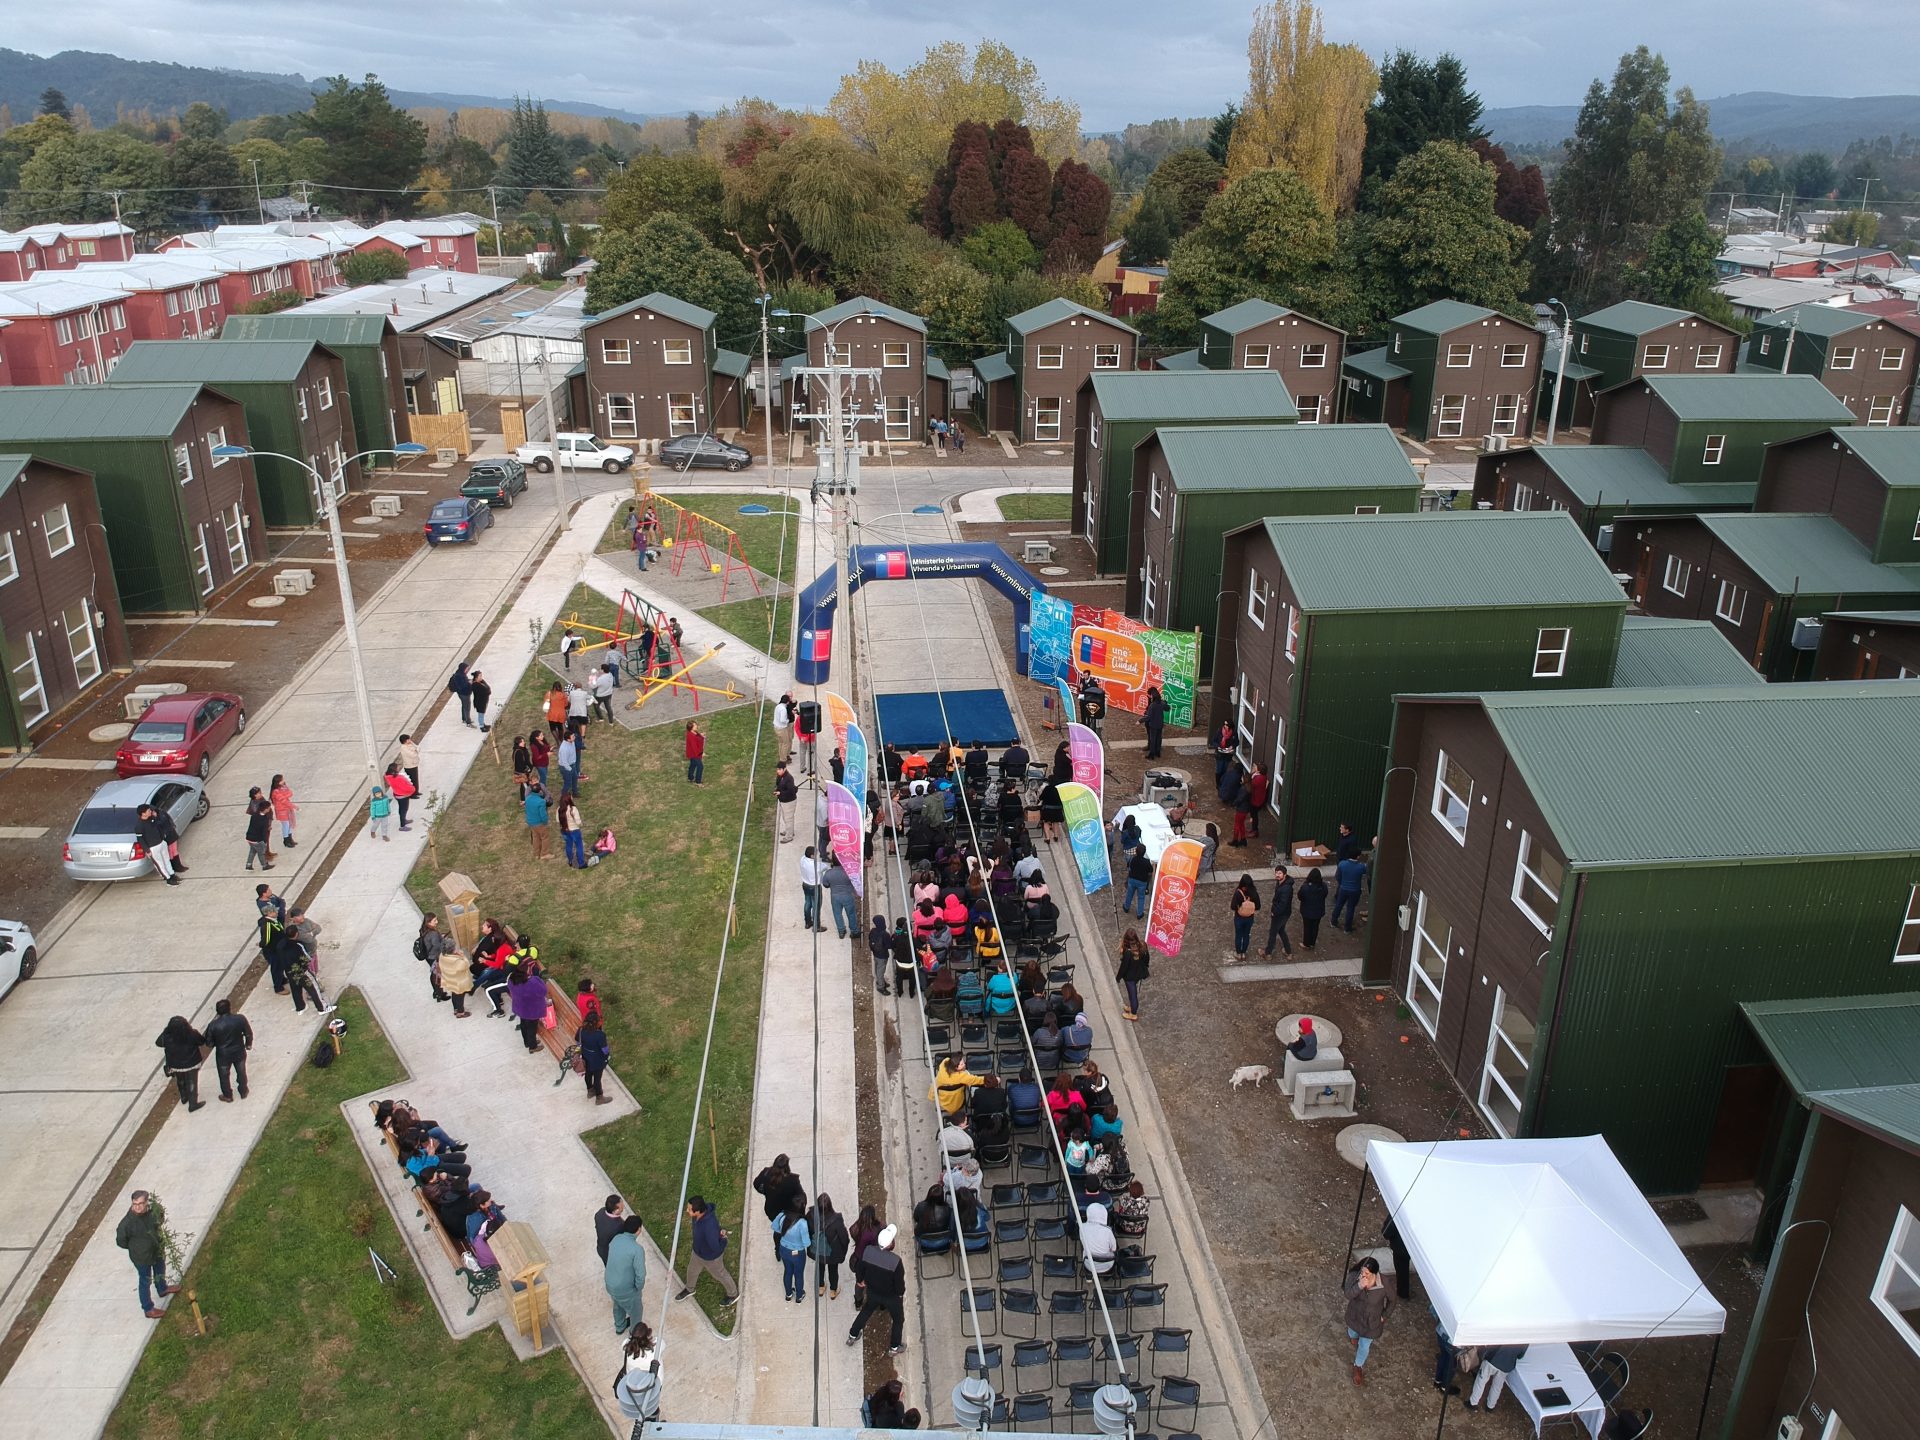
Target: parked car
x,y
575,450
457,520
180,734
495,481
703,452
18,956
102,844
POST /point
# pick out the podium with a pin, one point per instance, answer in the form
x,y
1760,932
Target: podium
x,y
523,1263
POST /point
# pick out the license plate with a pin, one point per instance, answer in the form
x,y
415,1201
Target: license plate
x,y
105,855
149,759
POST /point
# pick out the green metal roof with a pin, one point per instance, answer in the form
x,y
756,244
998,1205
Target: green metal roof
x,y
1442,316
1747,397
1811,554
1892,453
730,362
92,412
213,361
862,305
1877,617
1246,315
1656,651
12,467
332,331
993,367
1704,775
1857,1057
1285,457
937,369
1634,317
1181,360
1627,475
1054,311
1159,395
1823,320
1442,560
1377,362
673,309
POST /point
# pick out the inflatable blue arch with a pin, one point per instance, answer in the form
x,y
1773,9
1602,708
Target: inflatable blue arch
x,y
916,562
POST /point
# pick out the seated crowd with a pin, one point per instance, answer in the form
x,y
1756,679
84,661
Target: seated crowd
x,y
439,1168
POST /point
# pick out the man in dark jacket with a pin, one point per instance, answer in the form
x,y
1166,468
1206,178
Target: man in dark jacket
x,y
1349,875
1155,719
1013,764
608,1222
180,1044
259,832
886,1281
276,946
151,828
1281,913
461,686
709,1245
139,1235
231,1038
1313,908
483,697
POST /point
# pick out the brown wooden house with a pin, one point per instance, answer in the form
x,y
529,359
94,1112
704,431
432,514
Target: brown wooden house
x,y
1865,359
1030,391
1259,335
868,335
1613,345
656,370
1868,645
1449,371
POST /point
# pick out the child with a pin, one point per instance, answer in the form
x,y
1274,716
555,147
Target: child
x,y
587,1001
378,810
284,810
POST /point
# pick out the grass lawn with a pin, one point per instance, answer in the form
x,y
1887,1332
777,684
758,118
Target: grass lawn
x,y
646,925
748,619
1034,507
759,534
305,1341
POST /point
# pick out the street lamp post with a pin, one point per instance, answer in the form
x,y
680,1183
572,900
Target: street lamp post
x,y
1560,374
349,614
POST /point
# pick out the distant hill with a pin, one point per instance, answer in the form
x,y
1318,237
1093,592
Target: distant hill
x,y
1754,117
104,83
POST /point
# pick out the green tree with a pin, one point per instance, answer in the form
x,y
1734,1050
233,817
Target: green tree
x,y
810,207
53,103
1267,236
468,166
73,177
1436,236
1856,227
373,267
668,255
1189,179
562,246
203,122
372,150
1151,232
1419,101
1001,250
535,158
1679,267
686,184
272,159
1220,137
209,167
950,295
1306,105
1809,176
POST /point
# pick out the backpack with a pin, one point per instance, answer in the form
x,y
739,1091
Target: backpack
x,y
420,947
323,1055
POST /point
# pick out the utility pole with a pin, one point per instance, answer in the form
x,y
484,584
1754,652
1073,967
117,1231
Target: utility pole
x,y
116,194
493,195
306,195
1786,356
766,383
260,204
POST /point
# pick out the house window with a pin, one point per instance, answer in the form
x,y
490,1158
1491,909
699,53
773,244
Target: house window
x,y
86,247
1513,357
217,438
1550,653
1293,633
1366,509
677,352
895,354
1046,418
1461,356
173,302
1880,410
324,387
1892,359
1766,344
681,415
1654,357
899,410
1537,877
1522,497
118,315
1146,591
616,352
9,562
1509,1053
29,688
840,354
1106,356
300,399
1279,762
183,463
1309,406
63,330
1707,357
1427,974
445,247
1313,357
1246,717
1259,595
1716,446
1678,577
78,623
1258,357
1153,492
1842,357
1909,947
1896,1289
1506,414
1049,357
1093,431
623,420
57,529
202,563
1731,606
1396,343
1452,797
235,522
1453,415
1583,343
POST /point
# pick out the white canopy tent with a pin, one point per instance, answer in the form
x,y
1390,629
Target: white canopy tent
x,y
1524,1241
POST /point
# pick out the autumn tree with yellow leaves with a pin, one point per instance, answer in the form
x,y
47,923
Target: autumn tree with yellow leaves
x,y
1306,105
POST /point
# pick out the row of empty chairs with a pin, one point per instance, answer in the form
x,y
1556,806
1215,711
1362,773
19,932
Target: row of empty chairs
x,y
1176,1399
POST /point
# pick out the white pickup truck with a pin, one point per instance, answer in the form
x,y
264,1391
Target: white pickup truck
x,y
575,450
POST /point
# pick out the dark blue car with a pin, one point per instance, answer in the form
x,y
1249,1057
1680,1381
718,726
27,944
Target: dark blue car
x,y
461,518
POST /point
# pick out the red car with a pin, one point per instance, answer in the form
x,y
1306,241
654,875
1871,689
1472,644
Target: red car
x,y
180,734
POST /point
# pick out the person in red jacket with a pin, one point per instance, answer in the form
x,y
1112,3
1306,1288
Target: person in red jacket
x,y
1258,787
696,754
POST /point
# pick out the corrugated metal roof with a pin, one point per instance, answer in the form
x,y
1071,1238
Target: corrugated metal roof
x,y
937,369
1202,395
1891,452
1627,475
1377,362
1857,1056
212,361
1246,315
681,310
92,412
865,305
1657,651
1633,317
1054,311
1442,560
1877,617
1814,554
1181,360
330,330
1892,1111
993,367
12,467
1692,775
1285,457
730,362
1820,319
1748,397
1442,316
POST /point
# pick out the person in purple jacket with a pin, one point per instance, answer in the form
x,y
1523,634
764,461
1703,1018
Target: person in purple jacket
x,y
527,992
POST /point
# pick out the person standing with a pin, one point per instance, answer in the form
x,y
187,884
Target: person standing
x,y
1155,720
603,692
1497,1365
410,760
786,795
1245,905
462,687
527,993
579,707
572,840
268,903
885,1279
138,1233
299,968
534,807
880,947
806,729
637,1389
842,900
626,1274
810,880
181,1044
568,759
259,832
594,1054
231,1038
1242,793
1281,913
608,1221
556,711
569,642
696,754
1313,908
783,727
793,1237
401,789
1133,969
379,813
539,756
455,978
1139,881
709,1246
830,1241
482,697
1257,790
280,796
1367,1302
1349,875
1225,742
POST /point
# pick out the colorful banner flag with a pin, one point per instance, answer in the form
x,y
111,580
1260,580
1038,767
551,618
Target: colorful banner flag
x,y
1089,761
839,715
1087,836
1069,706
1109,646
1173,888
843,832
1050,631
854,747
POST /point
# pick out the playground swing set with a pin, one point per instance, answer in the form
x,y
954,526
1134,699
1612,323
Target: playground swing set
x,y
664,666
690,536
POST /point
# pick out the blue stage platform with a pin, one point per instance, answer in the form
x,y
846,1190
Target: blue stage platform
x,y
913,720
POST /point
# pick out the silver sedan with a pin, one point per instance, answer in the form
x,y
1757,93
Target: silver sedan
x,y
103,844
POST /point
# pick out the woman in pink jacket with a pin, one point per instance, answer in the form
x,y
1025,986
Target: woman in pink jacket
x,y
280,794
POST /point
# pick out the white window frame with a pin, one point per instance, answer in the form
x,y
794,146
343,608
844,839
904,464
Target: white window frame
x,y
683,413
1906,950
1442,789
1292,646
839,352
1766,344
1309,408
63,527
1905,1267
1093,431
1106,355
300,399
1680,569
1459,357
317,483
676,352
1880,409
1550,651
895,354
63,330
1366,509
1714,450
898,416
1514,357
1842,357
85,247
1049,357
1730,604
1313,356
217,438
623,417
1583,343
86,654
1490,1077
323,386
1153,493
1043,428
1418,980
1655,357
234,523
1892,359
1396,342
9,562
1707,357
202,560
31,713
1279,776
1259,598
1506,415
1458,420
1246,716
616,352
1523,872
183,464
1146,590
1248,360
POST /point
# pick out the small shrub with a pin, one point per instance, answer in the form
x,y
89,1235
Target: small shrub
x,y
370,267
360,1218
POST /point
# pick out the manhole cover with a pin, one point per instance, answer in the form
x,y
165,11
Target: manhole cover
x,y
1352,1142
267,602
366,519
106,734
1055,570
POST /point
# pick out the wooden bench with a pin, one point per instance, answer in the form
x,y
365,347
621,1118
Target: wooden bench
x,y
480,1280
563,1040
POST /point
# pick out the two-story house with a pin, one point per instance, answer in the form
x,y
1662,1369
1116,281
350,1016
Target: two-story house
x,y
1865,359
868,336
369,348
1030,390
1260,335
655,369
1614,344
1449,371
1868,645
62,332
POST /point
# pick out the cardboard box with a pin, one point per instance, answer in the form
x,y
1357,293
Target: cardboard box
x,y
1308,852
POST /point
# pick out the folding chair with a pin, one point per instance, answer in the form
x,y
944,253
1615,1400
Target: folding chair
x,y
1067,1304
1048,1228
1170,1342
1031,1355
1020,1302
1014,1269
1011,1060
1142,1300
1074,1056
1133,1267
1080,1402
1059,1268
1072,1352
1034,1157
939,1036
1609,1371
1181,1393
983,1360
1007,1196
933,1247
1046,1194
973,1035
1123,1351
994,1152
980,1238
1010,1232
1027,1119
980,1062
979,1303
1033,1410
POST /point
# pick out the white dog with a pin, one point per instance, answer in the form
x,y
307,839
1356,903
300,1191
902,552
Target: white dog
x,y
1249,1075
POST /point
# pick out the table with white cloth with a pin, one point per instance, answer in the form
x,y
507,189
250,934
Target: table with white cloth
x,y
1548,1365
1156,831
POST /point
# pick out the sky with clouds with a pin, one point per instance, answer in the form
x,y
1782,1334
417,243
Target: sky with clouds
x,y
1122,60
